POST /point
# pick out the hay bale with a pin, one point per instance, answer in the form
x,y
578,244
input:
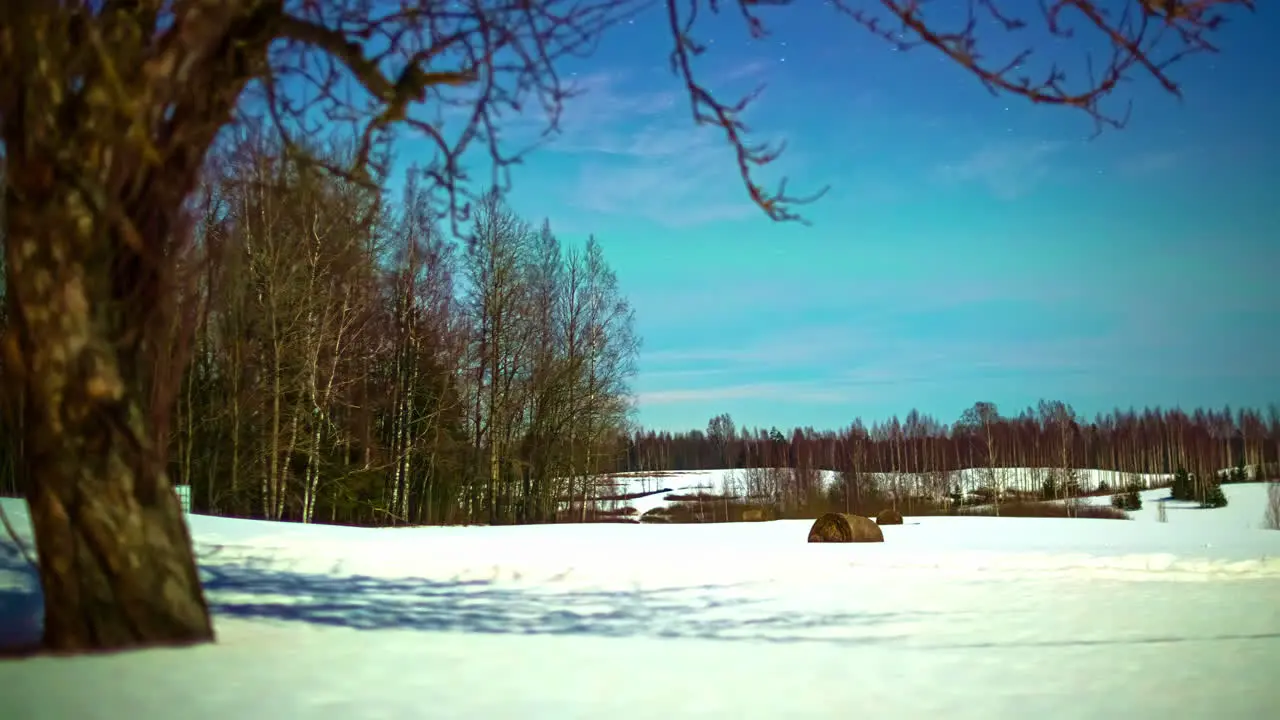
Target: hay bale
x,y
839,527
889,516
752,515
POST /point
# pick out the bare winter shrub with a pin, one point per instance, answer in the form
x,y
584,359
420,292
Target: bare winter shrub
x,y
656,516
710,512
759,484
759,514
593,514
1048,510
1162,512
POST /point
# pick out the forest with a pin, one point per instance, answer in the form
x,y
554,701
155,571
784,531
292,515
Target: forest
x,y
349,360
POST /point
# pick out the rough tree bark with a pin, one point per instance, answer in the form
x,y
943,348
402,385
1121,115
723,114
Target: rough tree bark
x,y
116,566
93,200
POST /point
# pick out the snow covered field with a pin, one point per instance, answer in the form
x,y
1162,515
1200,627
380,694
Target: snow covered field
x,y
1244,515
951,617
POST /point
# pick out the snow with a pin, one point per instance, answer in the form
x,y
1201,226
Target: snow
x,y
956,617
1242,511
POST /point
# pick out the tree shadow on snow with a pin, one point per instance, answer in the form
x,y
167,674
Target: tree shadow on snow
x,y
21,603
246,589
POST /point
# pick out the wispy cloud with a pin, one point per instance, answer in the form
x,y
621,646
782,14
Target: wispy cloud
x,y
823,391
1009,169
598,101
638,154
633,151
887,377
753,70
910,359
603,100
789,348
685,373
674,191
1148,163
864,362
868,312
798,391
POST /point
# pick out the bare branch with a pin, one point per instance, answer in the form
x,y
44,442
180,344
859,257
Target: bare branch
x,y
1147,37
707,110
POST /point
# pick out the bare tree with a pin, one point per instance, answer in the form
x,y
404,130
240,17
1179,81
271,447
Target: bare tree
x,y
722,433
1059,418
982,421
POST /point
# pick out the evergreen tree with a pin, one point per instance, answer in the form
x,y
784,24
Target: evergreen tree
x,y
1213,496
1182,489
1049,489
1129,499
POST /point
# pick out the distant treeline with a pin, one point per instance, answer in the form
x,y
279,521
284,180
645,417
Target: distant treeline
x,y
1051,435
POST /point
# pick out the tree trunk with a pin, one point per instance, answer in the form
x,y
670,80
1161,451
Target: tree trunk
x,y
116,564
115,555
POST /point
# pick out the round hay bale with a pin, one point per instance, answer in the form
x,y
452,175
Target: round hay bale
x,y
839,527
889,516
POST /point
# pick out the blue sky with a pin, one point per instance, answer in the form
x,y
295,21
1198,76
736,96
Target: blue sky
x,y
971,247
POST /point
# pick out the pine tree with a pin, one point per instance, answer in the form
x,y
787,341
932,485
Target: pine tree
x,y
1129,499
1049,489
1213,496
1182,489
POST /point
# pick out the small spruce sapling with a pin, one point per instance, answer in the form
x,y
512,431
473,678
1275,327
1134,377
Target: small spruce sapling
x,y
1129,499
1214,497
1049,489
1182,489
